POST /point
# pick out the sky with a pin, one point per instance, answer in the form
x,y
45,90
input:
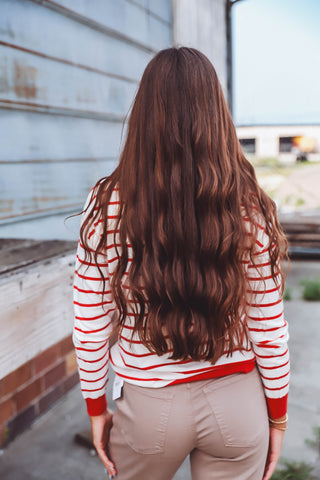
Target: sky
x,y
276,62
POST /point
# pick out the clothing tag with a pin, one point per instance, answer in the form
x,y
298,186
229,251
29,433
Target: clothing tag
x,y
117,387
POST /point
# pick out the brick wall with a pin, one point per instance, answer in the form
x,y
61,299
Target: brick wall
x,y
31,389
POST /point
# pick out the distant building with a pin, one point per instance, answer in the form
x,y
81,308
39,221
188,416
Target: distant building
x,y
289,143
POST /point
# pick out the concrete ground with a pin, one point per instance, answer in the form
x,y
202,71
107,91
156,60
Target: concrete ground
x,y
47,451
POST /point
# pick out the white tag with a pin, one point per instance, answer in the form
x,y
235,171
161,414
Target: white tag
x,y
117,387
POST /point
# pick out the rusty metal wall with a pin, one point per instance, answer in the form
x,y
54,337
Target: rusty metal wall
x,y
68,73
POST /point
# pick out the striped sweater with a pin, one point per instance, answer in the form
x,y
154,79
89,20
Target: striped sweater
x,y
134,363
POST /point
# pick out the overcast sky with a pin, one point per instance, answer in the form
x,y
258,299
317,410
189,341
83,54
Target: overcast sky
x,y
276,55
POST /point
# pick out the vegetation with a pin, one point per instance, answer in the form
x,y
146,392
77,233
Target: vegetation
x,y
294,471
287,294
315,441
311,289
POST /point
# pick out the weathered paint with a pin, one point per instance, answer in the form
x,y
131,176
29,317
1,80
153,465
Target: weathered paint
x,y
202,24
69,71
37,309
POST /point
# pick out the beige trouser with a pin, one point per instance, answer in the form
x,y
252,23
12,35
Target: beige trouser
x,y
222,423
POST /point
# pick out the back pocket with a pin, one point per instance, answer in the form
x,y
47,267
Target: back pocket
x,y
239,406
142,415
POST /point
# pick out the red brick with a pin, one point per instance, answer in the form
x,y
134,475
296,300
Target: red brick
x,y
66,346
16,379
71,363
46,358
6,410
20,422
25,396
47,400
55,374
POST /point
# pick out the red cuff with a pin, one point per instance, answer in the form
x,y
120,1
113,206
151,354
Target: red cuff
x,y
277,407
96,406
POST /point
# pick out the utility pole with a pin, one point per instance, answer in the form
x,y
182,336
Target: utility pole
x,y
229,5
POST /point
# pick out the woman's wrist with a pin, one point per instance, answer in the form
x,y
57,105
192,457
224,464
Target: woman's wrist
x,y
279,423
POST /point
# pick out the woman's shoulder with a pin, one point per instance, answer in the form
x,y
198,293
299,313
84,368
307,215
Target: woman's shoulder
x,y
255,224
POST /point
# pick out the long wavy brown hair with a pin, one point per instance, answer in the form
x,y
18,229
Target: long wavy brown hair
x,y
184,187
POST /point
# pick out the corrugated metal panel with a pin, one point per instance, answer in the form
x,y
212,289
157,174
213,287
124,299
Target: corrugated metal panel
x,y
68,73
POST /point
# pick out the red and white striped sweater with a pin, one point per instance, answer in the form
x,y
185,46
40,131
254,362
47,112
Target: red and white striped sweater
x,y
267,331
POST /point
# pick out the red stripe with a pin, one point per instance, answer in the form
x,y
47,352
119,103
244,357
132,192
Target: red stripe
x,y
96,380
259,319
267,329
91,291
139,379
92,349
108,247
95,389
277,388
92,331
95,279
96,360
130,341
150,367
91,264
136,354
260,265
271,356
94,371
260,305
265,250
264,291
274,378
116,258
89,305
246,219
274,366
262,278
96,317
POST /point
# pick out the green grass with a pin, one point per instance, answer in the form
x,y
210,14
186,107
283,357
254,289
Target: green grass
x,y
315,441
292,470
287,294
311,289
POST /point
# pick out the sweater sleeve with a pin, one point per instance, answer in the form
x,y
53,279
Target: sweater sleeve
x,y
268,331
92,321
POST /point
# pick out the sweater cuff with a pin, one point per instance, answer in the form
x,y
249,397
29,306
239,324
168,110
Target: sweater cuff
x,y
96,406
277,407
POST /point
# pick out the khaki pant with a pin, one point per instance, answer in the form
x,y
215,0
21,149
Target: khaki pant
x,y
222,423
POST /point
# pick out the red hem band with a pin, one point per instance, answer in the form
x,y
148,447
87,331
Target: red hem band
x,y
220,371
277,407
96,406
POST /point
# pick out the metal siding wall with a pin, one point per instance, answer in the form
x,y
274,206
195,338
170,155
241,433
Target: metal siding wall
x,y
69,70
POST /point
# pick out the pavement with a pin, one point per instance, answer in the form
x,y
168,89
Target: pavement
x,y
47,450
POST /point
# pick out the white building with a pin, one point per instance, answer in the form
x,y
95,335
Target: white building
x,y
286,142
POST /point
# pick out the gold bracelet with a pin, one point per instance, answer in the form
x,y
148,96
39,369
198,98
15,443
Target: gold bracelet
x,y
277,422
278,428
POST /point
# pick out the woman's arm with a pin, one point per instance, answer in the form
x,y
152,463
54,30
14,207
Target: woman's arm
x,y
92,322
268,332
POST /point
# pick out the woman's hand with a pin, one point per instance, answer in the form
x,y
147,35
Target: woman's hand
x,y
275,445
100,428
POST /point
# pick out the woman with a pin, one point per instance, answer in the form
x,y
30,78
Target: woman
x,y
179,259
